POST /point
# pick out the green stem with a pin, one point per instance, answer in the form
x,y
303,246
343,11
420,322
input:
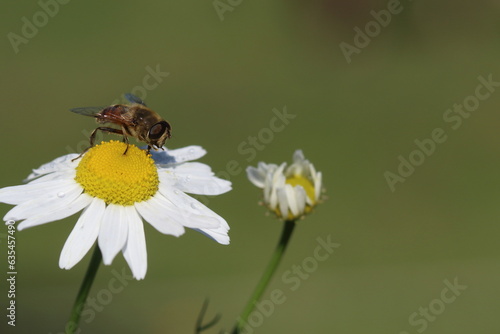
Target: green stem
x,y
266,276
74,319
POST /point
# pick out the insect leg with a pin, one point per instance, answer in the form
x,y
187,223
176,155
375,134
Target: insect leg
x,y
103,129
113,130
125,140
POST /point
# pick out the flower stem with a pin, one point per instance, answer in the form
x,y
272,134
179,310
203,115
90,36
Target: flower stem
x,y
288,227
74,319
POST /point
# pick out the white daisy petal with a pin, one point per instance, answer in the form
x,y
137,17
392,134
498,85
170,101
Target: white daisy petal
x,y
31,191
301,199
187,203
179,155
292,199
51,201
193,183
113,232
298,156
312,171
309,201
256,176
277,175
274,182
135,252
194,168
317,185
83,235
271,197
183,217
282,201
68,174
266,167
187,153
54,166
65,211
155,216
219,234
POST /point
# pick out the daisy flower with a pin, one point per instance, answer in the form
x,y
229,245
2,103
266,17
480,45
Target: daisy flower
x,y
117,192
290,192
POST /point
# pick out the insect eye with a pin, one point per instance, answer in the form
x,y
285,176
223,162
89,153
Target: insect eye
x,y
158,130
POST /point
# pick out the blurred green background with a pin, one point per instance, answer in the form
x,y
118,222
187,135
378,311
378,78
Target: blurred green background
x,y
353,120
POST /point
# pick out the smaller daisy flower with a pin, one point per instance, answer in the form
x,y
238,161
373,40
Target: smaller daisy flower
x,y
117,192
289,192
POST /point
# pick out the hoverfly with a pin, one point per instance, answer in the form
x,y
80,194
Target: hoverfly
x,y
135,120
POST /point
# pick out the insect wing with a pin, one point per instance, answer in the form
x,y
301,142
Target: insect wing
x,y
125,119
134,99
87,111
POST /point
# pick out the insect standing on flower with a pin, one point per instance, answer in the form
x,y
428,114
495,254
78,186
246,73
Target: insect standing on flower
x,y
136,120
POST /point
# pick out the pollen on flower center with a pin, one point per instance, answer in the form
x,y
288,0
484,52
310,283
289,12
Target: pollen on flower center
x,y
117,178
298,180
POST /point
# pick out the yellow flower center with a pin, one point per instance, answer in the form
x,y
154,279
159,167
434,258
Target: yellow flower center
x,y
299,180
116,178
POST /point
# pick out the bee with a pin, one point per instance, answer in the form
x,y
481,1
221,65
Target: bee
x,y
135,120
